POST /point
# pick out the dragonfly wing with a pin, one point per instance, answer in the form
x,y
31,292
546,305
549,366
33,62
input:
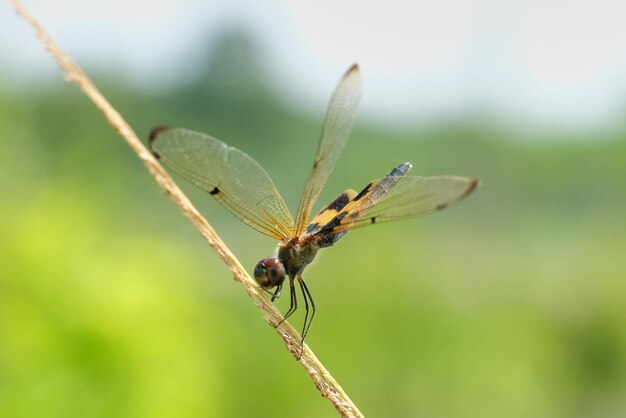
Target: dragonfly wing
x,y
231,176
361,202
410,196
337,126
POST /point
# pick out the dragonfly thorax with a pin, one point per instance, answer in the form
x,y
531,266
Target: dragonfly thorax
x,y
295,256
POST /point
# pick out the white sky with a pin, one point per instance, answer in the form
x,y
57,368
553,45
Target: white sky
x,y
544,62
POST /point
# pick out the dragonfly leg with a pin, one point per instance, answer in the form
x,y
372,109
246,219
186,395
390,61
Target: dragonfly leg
x,y
293,302
276,294
306,295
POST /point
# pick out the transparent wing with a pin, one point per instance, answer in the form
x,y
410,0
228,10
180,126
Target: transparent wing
x,y
228,174
337,127
411,196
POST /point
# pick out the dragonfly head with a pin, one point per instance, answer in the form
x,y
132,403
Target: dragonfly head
x,y
269,272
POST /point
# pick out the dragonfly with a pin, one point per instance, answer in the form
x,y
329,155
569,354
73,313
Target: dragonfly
x,y
243,187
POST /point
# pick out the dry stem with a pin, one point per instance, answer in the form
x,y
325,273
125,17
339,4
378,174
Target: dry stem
x,y
323,380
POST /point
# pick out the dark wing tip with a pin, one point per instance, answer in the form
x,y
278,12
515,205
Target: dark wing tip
x,y
155,132
354,68
474,183
153,135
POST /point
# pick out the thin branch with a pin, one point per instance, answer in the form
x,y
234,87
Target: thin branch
x,y
323,380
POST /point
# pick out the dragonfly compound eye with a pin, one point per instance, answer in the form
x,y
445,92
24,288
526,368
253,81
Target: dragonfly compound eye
x,y
269,272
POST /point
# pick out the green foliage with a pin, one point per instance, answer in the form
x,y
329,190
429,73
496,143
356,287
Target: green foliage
x,y
509,304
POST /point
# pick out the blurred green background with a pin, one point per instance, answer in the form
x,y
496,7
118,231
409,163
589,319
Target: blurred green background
x,y
510,303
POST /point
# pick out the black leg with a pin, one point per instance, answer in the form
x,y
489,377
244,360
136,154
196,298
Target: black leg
x,y
306,294
306,310
276,294
270,294
293,302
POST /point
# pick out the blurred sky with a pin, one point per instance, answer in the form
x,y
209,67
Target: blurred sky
x,y
547,63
